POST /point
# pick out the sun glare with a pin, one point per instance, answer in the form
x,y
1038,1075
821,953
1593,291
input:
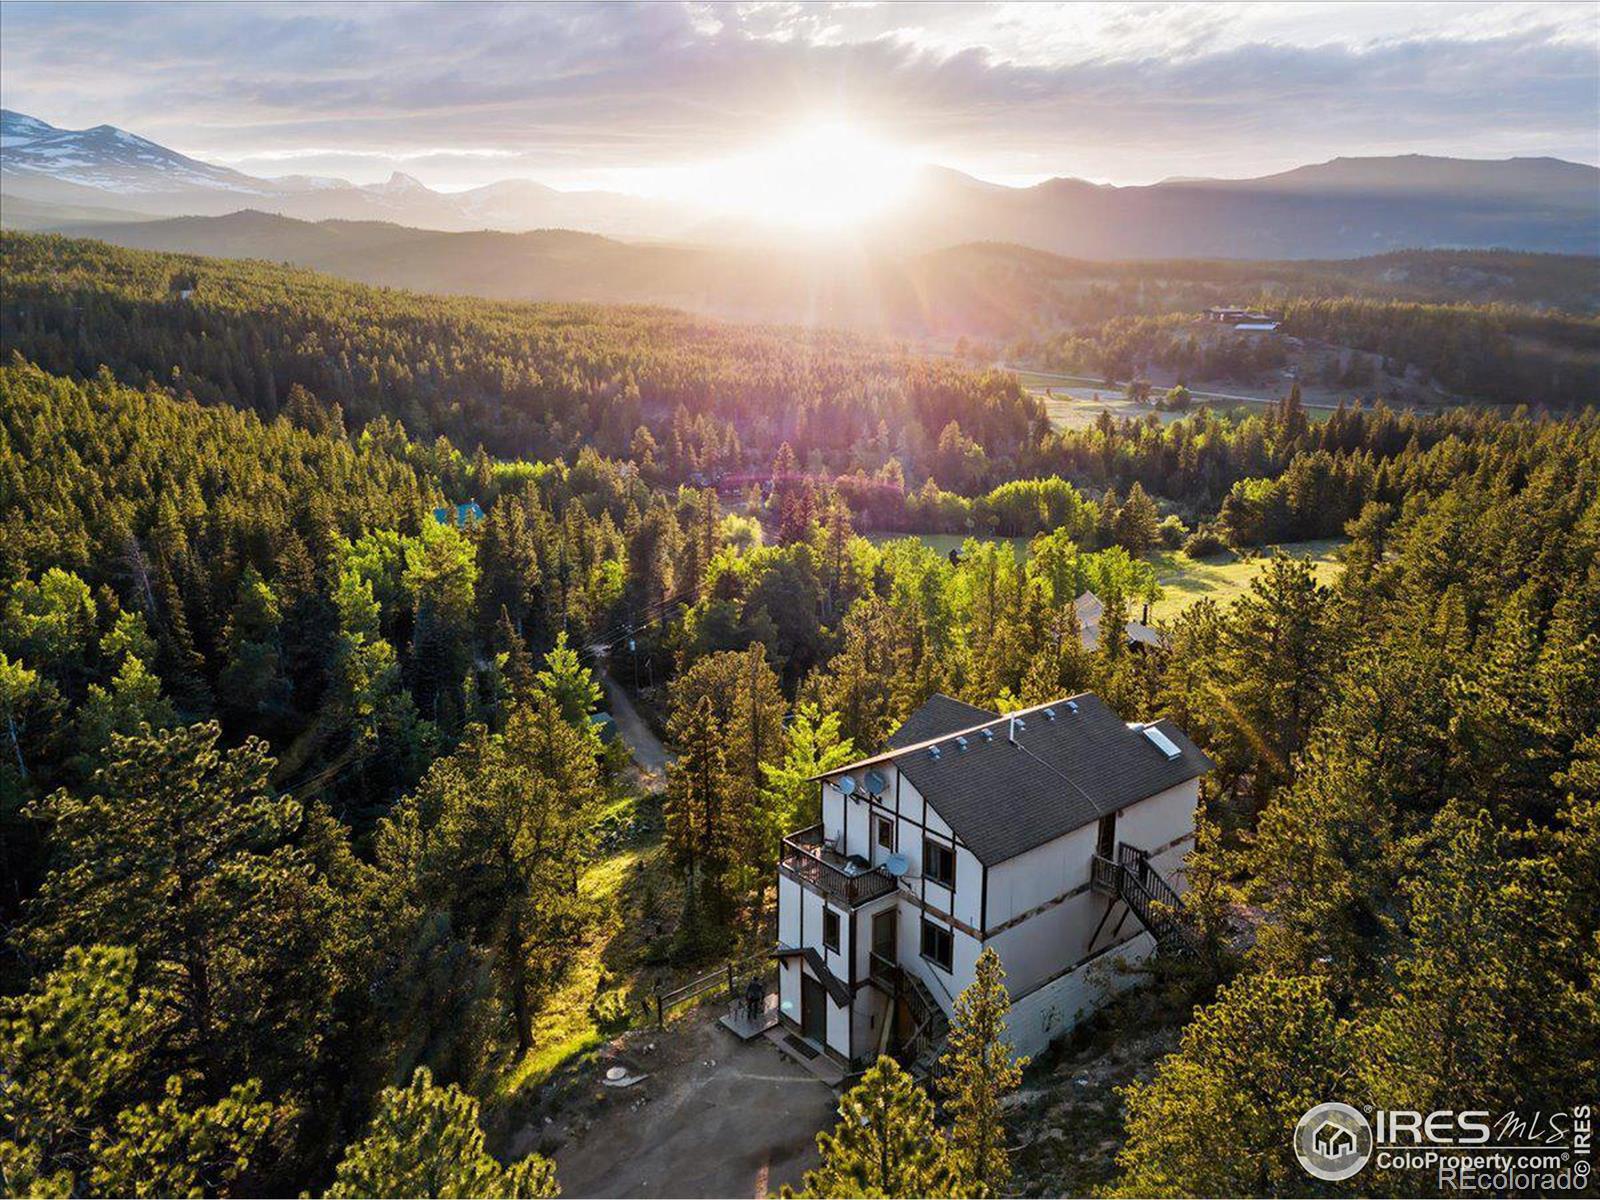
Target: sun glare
x,y
824,176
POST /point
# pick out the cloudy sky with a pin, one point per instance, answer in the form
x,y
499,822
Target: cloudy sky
x,y
621,95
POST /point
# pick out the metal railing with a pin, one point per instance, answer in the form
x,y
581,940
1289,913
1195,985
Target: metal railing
x,y
1103,874
807,858
1153,900
883,969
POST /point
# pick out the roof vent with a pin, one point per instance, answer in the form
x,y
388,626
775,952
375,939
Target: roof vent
x,y
961,743
1161,741
1018,725
1072,706
987,735
1049,714
933,752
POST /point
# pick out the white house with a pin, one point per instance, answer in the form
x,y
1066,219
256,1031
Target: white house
x,y
1056,835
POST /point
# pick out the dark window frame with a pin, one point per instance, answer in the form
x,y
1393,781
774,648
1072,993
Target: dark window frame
x,y
880,823
830,918
932,852
933,935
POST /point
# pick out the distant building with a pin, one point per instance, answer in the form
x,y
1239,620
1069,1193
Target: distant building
x,y
606,726
1090,608
460,514
1250,319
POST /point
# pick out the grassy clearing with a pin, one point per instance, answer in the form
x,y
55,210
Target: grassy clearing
x,y
946,542
1072,407
1223,578
1183,579
622,879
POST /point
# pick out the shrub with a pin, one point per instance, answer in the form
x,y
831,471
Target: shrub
x,y
1203,543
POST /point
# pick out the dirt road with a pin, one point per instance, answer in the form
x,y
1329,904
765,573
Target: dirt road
x,y
646,748
715,1117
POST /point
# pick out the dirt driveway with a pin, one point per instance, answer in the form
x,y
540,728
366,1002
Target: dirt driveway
x,y
648,752
716,1117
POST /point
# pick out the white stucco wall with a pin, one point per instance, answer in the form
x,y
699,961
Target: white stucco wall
x,y
1039,875
1041,1016
1153,823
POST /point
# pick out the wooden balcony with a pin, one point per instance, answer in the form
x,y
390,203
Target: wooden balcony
x,y
849,880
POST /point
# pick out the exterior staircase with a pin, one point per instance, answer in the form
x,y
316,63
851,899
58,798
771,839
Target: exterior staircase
x,y
1151,899
920,1052
925,1046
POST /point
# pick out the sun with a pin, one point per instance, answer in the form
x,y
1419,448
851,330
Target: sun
x,y
825,175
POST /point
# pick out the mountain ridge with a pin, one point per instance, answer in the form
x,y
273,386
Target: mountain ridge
x,y
1344,207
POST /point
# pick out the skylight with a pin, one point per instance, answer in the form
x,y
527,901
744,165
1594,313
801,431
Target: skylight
x,y
1161,741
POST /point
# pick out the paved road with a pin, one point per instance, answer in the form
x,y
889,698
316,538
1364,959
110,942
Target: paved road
x,y
647,750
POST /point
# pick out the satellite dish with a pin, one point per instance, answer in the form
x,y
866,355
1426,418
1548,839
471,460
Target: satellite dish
x,y
896,865
847,785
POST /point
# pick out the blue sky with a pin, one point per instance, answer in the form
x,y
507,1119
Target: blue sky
x,y
616,94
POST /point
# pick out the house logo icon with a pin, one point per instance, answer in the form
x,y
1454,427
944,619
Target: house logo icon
x,y
1333,1141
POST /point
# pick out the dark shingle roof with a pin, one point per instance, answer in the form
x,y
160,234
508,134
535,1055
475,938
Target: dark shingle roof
x,y
1003,799
938,716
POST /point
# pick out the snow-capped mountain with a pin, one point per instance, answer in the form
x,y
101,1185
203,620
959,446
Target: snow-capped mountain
x,y
109,159
107,167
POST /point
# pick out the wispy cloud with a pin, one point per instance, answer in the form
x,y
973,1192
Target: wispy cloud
x,y
572,92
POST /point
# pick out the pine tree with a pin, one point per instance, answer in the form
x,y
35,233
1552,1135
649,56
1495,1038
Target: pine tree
x,y
1137,526
1218,1118
502,829
72,1049
74,1053
184,854
568,684
177,1148
979,1071
1484,1010
426,1141
696,807
815,744
886,1142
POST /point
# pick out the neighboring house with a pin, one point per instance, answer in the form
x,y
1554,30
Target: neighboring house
x,y
460,514
1046,834
606,726
1090,609
1242,317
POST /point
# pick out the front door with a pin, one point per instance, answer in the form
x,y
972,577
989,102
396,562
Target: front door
x,y
885,935
1107,842
813,1010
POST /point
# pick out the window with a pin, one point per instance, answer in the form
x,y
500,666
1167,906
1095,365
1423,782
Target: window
x,y
885,833
938,863
830,930
938,946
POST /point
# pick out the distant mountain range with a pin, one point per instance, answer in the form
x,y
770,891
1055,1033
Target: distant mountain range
x,y
108,167
1340,209
980,289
